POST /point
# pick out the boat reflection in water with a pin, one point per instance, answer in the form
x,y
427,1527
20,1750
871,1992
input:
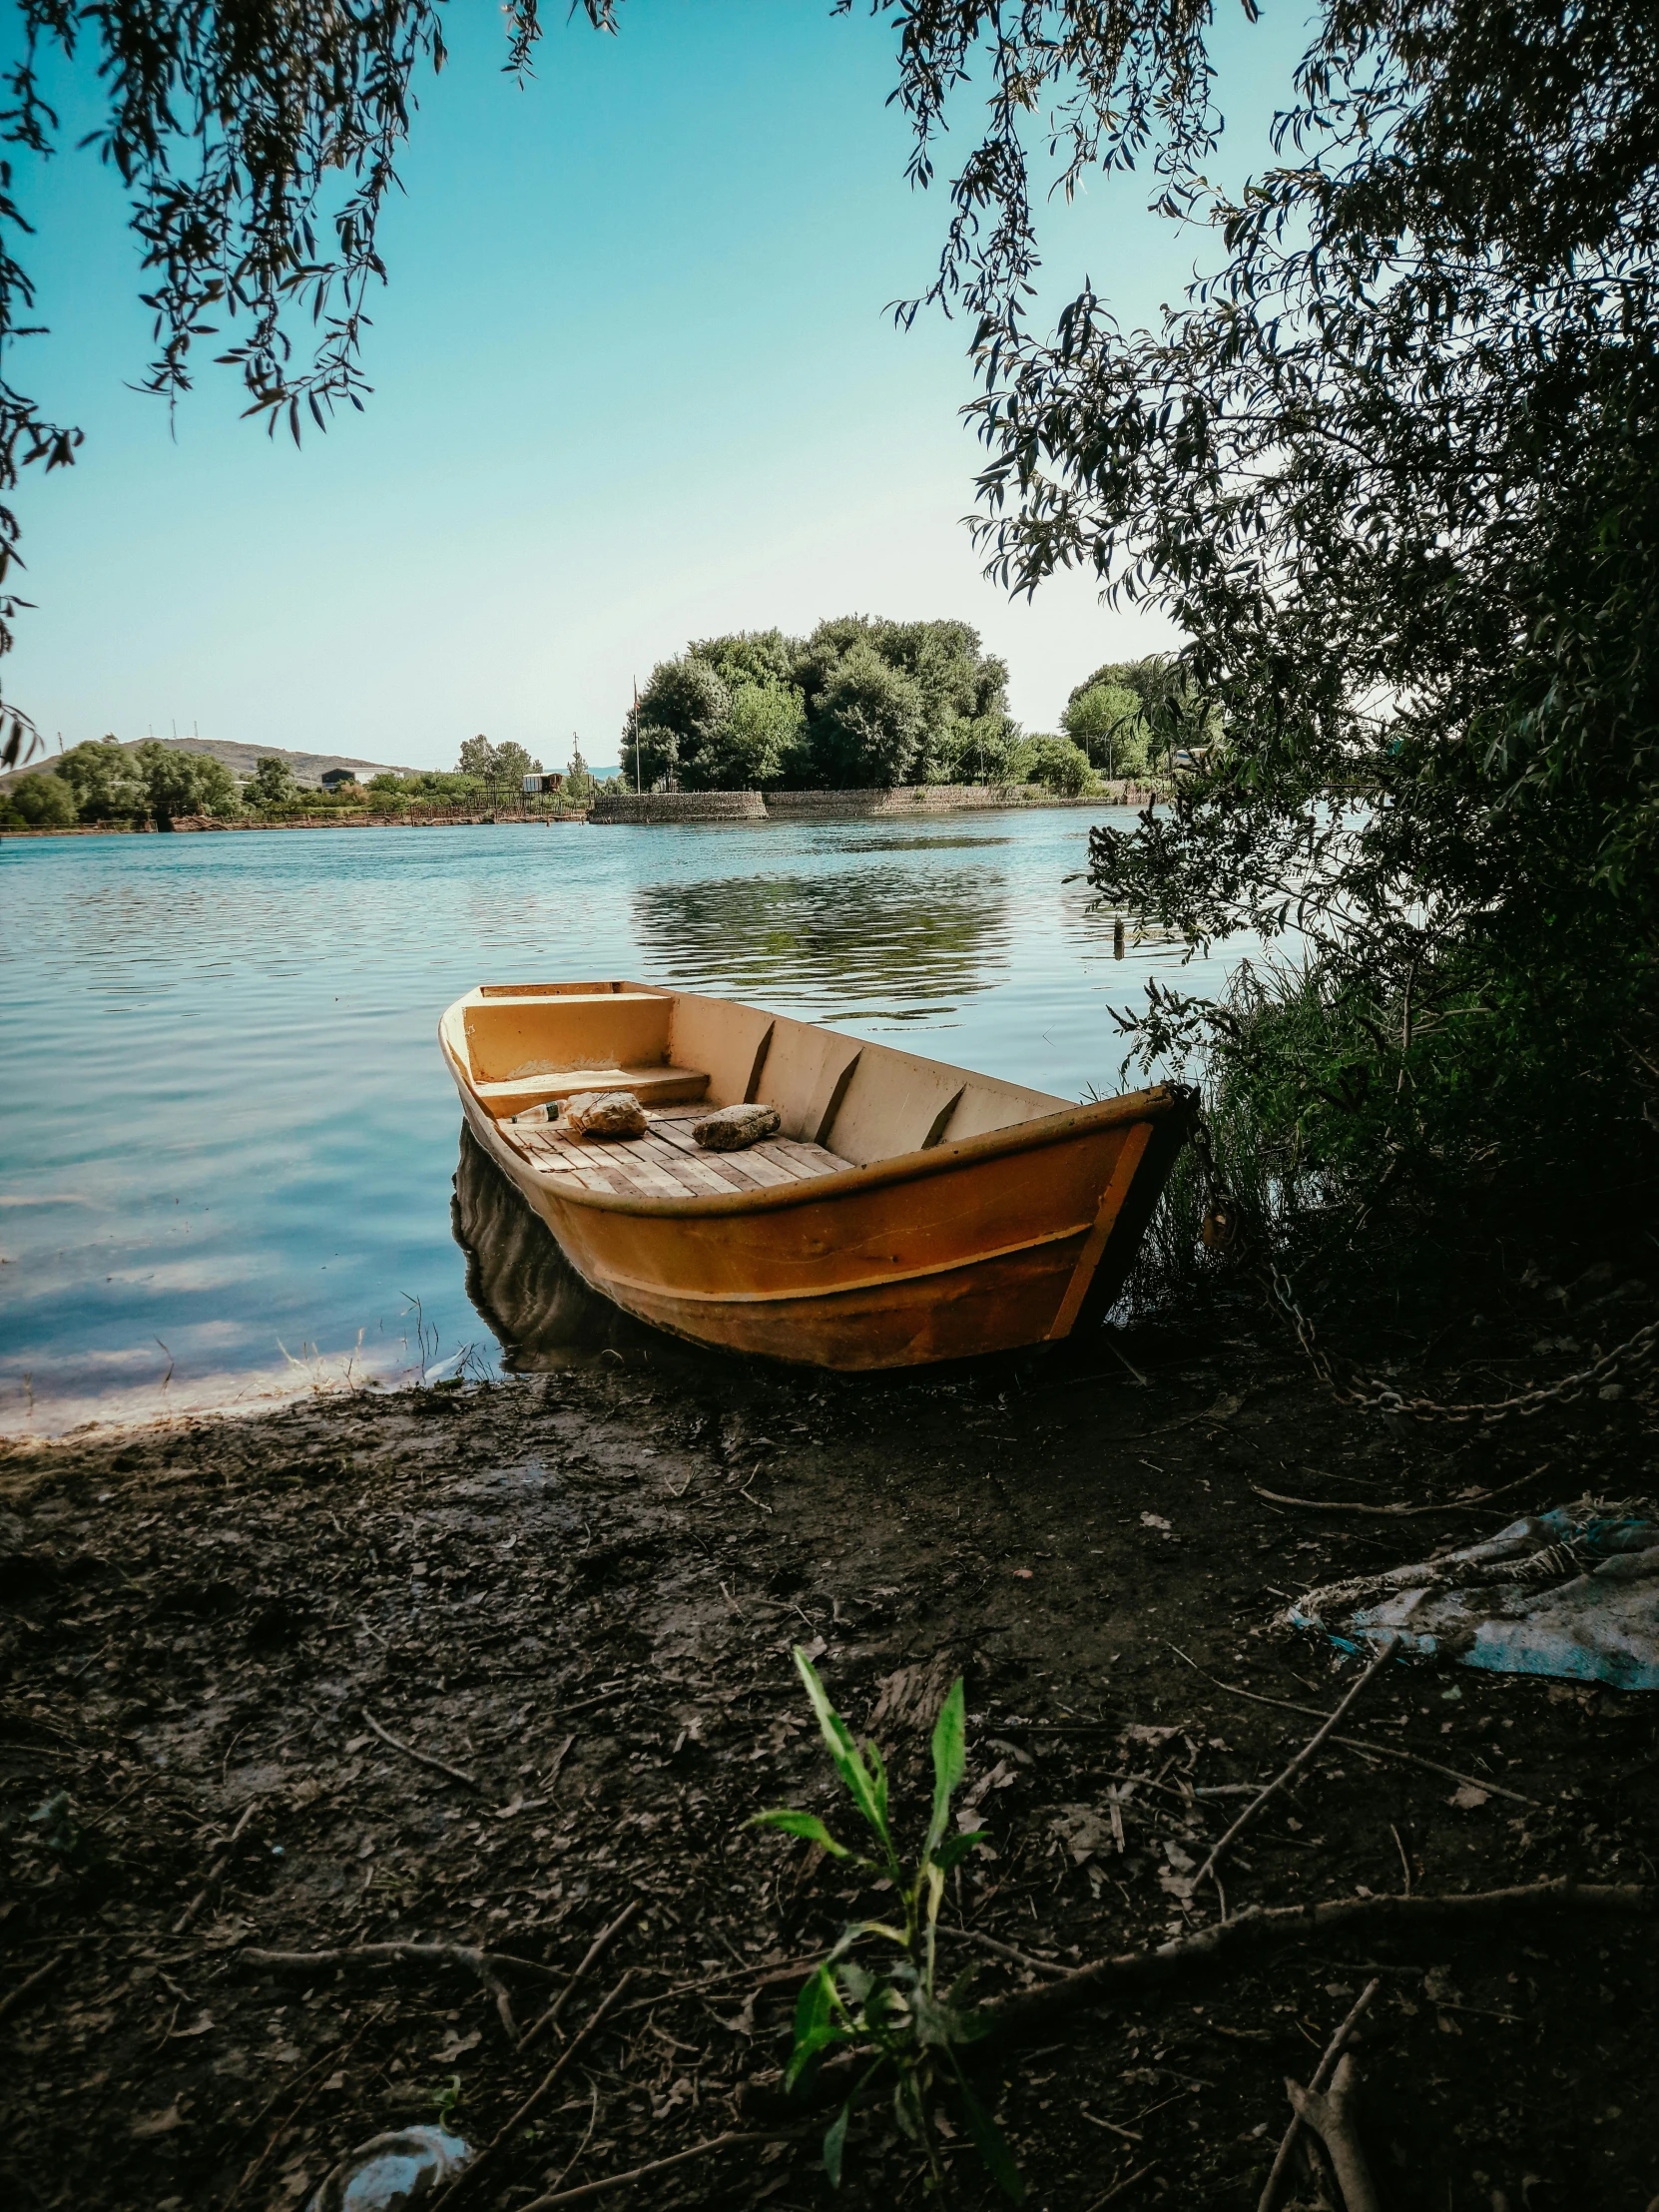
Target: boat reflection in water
x,y
527,1293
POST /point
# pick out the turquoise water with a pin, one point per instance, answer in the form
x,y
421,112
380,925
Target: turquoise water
x,y
229,1134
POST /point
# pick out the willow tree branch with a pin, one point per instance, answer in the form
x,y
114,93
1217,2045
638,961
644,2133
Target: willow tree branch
x,y
1035,2011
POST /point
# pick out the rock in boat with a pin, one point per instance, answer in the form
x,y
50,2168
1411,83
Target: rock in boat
x,y
906,1212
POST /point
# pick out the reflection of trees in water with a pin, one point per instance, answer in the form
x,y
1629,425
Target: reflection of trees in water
x,y
837,938
1103,933
526,1292
902,841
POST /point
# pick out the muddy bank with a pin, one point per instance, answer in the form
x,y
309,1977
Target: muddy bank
x,y
577,1591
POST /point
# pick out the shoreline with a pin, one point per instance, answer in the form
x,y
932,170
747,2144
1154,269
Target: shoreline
x,y
654,809
213,825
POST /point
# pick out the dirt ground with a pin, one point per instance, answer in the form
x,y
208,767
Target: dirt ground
x,y
579,1589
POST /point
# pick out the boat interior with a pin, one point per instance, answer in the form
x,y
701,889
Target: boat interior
x,y
841,1103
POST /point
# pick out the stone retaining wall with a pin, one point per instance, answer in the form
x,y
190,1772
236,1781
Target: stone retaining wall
x,y
902,798
906,798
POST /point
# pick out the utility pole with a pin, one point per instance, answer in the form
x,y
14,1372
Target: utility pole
x,y
637,786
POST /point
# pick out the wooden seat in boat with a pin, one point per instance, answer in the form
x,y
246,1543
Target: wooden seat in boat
x,y
610,1037
667,1162
657,1085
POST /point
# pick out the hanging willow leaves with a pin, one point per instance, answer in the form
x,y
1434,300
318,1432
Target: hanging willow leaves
x,y
1391,467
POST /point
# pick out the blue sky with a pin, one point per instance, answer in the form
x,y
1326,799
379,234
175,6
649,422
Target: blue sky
x,y
634,383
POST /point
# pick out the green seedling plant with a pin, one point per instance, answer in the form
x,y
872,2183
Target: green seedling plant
x,y
889,2010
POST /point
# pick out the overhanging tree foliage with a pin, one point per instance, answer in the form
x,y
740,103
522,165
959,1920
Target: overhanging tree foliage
x,y
258,143
1393,467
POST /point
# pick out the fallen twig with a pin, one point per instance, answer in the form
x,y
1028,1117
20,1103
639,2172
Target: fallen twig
x,y
587,2137
14,1997
1036,2011
1140,1379
1094,2119
559,1758
421,1758
995,1727
1332,2119
1364,1744
589,2027
461,1954
1007,1951
488,1966
595,1952
343,2049
586,1704
1386,1650
1116,2190
1273,2187
762,1980
1405,1862
1396,1513
587,2189
216,1872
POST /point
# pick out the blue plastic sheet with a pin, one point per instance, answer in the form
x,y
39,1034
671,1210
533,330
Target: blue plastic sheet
x,y
1573,1593
391,2173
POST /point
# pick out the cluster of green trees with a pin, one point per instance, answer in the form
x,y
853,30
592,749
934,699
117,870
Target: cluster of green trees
x,y
113,783
1134,718
110,783
485,773
860,703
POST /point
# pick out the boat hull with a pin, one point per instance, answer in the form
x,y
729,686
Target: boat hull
x,y
1005,1240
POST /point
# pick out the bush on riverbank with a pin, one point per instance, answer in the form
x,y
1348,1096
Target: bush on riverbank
x,y
39,801
1056,764
110,783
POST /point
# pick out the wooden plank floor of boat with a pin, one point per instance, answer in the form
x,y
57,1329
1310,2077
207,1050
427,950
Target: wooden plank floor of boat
x,y
667,1162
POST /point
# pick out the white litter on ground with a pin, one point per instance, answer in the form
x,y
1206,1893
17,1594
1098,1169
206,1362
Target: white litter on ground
x,y
1573,1593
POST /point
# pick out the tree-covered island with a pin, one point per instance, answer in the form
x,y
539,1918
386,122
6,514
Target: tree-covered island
x,y
867,704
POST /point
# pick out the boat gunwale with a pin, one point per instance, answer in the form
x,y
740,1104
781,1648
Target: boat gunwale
x,y
1156,1104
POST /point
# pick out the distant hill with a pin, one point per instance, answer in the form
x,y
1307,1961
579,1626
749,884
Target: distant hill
x,y
242,760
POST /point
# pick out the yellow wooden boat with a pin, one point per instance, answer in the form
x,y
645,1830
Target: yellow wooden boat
x,y
906,1212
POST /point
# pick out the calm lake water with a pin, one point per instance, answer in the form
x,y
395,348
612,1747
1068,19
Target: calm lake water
x,y
229,1138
